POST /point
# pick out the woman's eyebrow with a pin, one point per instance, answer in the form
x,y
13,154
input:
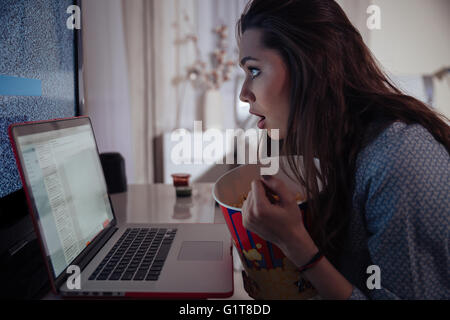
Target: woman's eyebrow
x,y
245,59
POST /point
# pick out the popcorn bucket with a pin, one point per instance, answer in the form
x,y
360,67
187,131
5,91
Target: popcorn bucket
x,y
271,274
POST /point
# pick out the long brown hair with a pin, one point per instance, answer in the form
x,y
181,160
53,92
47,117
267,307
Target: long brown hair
x,y
337,90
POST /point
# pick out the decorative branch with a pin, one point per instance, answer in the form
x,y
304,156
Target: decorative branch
x,y
221,68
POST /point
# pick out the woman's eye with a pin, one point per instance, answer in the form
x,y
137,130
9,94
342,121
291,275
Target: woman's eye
x,y
254,72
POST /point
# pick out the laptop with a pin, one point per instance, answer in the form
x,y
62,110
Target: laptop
x,y
86,251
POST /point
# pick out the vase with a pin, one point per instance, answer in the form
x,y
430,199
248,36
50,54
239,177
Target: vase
x,y
212,110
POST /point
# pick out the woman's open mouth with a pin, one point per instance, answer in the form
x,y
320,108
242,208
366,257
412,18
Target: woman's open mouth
x,y
261,123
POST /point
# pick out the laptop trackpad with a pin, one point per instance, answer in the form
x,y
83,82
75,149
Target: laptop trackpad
x,y
201,250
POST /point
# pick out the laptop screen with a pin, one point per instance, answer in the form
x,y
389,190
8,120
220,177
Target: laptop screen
x,y
63,170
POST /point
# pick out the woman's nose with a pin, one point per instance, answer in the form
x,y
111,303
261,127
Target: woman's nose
x,y
246,95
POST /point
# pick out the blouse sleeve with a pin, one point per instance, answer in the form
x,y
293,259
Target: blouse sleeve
x,y
407,214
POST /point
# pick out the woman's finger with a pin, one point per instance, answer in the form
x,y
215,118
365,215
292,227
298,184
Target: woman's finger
x,y
278,187
247,208
259,195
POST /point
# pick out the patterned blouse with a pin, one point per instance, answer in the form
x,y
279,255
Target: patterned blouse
x,y
401,218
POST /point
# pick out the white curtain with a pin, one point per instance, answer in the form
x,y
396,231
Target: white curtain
x,y
131,67
156,60
105,78
137,21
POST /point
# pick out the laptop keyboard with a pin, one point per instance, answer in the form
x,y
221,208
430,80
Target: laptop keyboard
x,y
138,255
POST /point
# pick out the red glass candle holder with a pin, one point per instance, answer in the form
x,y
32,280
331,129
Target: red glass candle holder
x,y
180,179
181,184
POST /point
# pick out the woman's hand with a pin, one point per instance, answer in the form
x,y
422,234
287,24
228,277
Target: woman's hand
x,y
280,223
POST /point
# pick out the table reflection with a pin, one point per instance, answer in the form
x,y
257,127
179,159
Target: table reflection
x,y
158,203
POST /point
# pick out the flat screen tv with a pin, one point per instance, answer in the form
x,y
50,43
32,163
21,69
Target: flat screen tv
x,y
39,79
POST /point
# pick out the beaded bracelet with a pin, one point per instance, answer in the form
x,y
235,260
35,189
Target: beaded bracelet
x,y
317,257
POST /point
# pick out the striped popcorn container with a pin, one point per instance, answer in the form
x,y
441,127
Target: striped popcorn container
x,y
270,273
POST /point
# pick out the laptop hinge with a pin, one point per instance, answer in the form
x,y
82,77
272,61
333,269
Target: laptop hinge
x,y
83,260
97,247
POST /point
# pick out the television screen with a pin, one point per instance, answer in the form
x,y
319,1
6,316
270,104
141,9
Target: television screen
x,y
38,71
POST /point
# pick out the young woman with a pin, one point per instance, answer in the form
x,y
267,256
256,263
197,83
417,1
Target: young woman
x,y
379,229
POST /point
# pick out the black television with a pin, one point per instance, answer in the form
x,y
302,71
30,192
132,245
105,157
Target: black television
x,y
40,79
